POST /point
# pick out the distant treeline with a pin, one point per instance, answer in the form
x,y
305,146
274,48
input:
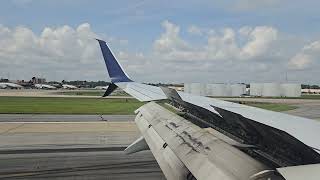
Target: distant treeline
x,y
306,86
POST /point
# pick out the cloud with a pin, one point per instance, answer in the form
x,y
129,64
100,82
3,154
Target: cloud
x,y
58,53
306,58
170,41
195,30
245,54
221,44
260,40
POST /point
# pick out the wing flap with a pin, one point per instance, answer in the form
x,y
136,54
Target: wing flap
x,y
204,155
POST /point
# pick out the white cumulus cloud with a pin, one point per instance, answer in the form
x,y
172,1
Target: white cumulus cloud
x,y
307,57
221,44
58,53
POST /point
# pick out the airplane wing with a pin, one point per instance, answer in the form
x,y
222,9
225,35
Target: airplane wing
x,y
215,139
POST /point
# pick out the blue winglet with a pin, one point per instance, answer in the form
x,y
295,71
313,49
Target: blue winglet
x,y
115,71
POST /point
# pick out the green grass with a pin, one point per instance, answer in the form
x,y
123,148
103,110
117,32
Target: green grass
x,y
90,93
310,96
272,106
39,105
83,93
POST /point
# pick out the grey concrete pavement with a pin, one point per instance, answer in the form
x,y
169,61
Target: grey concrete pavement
x,y
73,150
80,165
63,118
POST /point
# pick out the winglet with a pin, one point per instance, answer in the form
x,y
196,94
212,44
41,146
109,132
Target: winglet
x,y
115,71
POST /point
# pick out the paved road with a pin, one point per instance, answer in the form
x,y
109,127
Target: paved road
x,y
64,118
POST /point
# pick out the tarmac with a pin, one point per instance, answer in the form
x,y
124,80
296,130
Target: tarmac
x,y
73,150
64,118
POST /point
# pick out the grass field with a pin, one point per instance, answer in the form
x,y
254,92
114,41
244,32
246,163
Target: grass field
x,y
90,93
57,105
83,93
39,105
310,96
272,107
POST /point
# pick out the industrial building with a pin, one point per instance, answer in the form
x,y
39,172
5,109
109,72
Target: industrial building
x,y
36,80
215,89
275,89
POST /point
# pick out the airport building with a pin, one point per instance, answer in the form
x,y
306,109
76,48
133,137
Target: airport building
x,y
275,89
36,80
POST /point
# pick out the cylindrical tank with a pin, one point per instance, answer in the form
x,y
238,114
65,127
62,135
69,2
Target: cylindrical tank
x,y
228,90
186,87
290,90
216,90
271,90
256,89
197,89
238,89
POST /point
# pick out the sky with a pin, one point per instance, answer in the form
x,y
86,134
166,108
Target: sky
x,y
212,41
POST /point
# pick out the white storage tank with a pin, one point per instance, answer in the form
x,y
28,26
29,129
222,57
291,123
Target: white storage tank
x,y
228,90
256,89
271,90
238,89
290,90
217,90
197,89
186,88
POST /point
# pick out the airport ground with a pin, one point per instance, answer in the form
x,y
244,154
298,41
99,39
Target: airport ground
x,y
81,145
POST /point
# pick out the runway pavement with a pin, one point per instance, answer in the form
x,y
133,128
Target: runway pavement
x,y
104,165
64,118
73,150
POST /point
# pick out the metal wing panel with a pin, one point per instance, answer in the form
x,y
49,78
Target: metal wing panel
x,y
169,163
303,129
206,156
142,92
308,172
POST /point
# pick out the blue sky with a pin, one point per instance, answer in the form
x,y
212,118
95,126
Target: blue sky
x,y
275,36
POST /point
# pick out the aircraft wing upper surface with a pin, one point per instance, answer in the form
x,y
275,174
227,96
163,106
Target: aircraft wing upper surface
x,y
270,135
142,92
305,130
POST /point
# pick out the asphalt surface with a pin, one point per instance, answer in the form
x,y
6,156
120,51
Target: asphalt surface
x,y
80,165
64,118
73,150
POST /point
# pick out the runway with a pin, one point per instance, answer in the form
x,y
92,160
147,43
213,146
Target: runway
x,y
80,165
64,118
73,150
